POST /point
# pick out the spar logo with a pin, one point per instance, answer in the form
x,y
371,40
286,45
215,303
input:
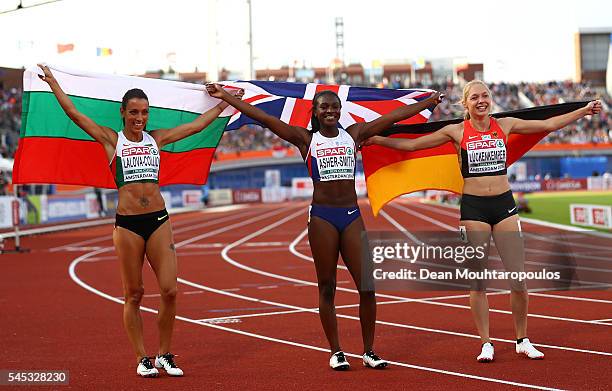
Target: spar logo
x,y
485,144
139,151
337,151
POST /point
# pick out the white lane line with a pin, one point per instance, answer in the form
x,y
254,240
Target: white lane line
x,y
222,321
424,217
88,224
265,244
578,298
100,259
81,243
292,249
430,301
229,227
78,281
176,231
227,258
298,254
571,255
288,312
442,225
567,228
576,244
205,245
239,242
451,228
400,228
315,309
74,248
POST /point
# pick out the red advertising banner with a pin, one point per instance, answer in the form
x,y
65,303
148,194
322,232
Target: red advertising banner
x,y
564,184
244,196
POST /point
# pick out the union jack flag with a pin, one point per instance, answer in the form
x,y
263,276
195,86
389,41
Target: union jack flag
x,y
292,102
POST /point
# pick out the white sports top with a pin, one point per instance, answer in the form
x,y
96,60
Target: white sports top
x,y
331,159
135,161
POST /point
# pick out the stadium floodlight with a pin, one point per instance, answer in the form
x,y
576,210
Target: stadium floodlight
x,y
32,3
9,5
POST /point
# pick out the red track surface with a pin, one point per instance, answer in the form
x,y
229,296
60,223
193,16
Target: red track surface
x,y
51,322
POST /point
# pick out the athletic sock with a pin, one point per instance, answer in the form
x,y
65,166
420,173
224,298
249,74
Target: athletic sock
x,y
520,340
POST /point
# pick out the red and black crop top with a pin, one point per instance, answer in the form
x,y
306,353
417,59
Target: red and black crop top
x,y
483,153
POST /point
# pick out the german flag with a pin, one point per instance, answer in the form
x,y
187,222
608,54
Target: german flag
x,y
390,172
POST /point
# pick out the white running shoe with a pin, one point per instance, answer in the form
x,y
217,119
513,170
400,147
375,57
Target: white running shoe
x,y
487,353
146,369
371,360
529,350
338,362
166,361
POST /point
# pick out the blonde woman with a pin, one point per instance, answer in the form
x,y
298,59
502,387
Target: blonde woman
x,y
487,204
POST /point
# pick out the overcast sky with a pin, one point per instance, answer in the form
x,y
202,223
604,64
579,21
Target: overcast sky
x,y
516,40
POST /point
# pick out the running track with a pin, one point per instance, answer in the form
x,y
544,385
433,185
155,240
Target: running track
x,y
247,318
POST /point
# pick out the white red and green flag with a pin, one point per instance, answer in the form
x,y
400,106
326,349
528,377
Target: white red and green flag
x,y
53,149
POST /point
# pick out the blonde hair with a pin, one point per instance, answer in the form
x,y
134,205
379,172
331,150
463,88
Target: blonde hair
x,y
466,91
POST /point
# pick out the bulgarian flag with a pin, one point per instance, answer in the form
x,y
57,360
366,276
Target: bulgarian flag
x,y
390,172
53,149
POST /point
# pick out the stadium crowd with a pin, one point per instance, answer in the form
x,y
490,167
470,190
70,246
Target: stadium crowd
x,y
595,130
506,96
10,121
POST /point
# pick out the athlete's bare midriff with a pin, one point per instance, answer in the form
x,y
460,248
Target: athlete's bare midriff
x,y
486,185
140,198
335,193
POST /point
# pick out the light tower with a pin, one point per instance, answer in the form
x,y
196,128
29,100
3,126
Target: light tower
x,y
338,64
340,39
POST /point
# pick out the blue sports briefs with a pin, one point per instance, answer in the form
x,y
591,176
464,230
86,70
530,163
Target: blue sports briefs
x,y
339,217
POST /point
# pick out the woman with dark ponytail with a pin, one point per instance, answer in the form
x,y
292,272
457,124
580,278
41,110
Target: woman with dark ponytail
x,y
142,225
334,224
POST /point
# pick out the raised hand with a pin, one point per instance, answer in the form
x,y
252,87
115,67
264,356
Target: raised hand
x,y
371,141
48,76
239,93
437,97
594,107
215,90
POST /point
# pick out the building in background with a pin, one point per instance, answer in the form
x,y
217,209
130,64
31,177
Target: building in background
x,y
11,78
592,47
468,72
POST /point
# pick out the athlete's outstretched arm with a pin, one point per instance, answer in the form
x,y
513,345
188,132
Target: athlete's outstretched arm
x,y
293,134
521,126
106,136
365,130
439,137
166,136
